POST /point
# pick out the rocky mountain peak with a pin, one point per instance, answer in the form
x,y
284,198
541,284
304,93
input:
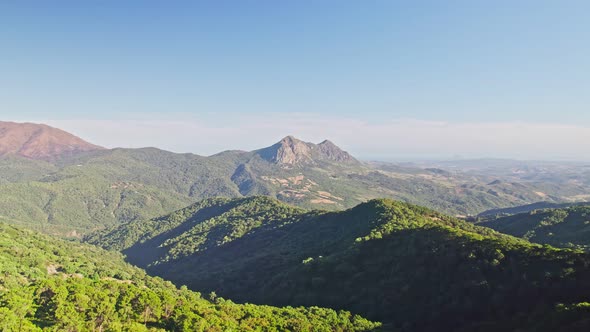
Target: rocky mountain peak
x,y
288,151
332,152
291,151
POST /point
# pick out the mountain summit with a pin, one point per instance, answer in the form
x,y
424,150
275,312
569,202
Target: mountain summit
x,y
291,151
39,141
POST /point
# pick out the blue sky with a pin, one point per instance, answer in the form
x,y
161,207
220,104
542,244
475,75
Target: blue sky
x,y
230,65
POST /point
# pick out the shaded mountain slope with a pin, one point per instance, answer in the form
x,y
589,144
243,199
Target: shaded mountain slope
x,y
564,227
416,269
526,209
49,284
197,228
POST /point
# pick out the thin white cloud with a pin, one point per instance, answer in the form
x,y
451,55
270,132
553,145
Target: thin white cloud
x,y
387,140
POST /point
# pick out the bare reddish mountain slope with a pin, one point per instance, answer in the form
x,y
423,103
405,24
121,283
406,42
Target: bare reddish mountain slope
x,y
39,141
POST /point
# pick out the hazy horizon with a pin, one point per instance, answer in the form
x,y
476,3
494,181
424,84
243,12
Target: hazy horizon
x,y
384,80
193,137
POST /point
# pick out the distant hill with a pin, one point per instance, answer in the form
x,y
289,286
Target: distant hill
x,y
39,141
411,267
527,208
53,285
567,227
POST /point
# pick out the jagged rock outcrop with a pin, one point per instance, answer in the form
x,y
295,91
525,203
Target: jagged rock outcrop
x,y
330,151
291,151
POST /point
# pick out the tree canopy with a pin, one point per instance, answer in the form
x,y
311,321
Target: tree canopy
x,y
53,285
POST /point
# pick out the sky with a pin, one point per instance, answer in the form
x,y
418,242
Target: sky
x,y
387,80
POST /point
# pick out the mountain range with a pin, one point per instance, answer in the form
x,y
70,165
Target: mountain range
x,y
71,187
299,225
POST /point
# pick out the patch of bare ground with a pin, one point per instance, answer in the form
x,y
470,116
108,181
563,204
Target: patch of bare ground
x,y
321,201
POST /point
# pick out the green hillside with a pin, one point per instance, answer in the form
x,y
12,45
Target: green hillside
x,y
18,169
411,267
109,187
93,190
53,285
564,227
199,227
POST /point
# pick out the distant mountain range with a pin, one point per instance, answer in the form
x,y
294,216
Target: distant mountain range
x,y
70,187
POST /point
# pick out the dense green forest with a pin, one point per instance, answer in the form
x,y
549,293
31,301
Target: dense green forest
x,y
201,226
53,285
411,267
565,227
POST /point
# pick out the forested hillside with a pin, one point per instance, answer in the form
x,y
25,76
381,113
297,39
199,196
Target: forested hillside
x,y
75,194
565,227
409,266
201,226
52,285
